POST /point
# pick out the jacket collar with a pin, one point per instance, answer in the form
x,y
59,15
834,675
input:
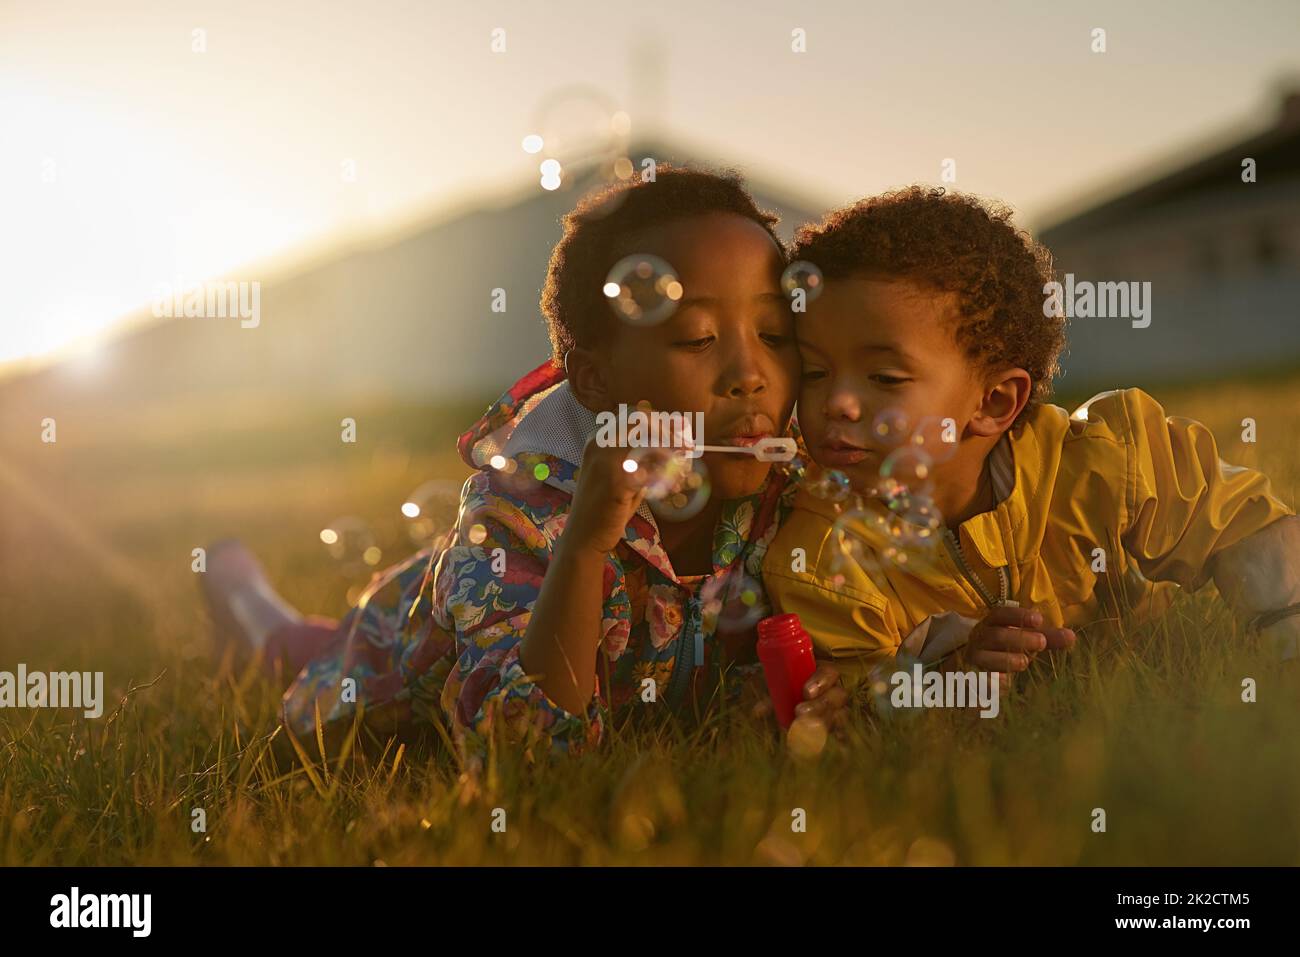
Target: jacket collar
x,y
989,533
559,426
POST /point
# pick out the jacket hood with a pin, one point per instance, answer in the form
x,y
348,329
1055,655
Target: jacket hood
x,y
492,432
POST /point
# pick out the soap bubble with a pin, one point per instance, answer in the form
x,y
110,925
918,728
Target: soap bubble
x,y
581,127
829,484
580,123
351,542
551,174
890,427
936,437
683,492
664,470
795,470
859,537
881,685
643,289
910,467
920,521
471,527
518,475
902,532
801,274
429,506
734,599
849,553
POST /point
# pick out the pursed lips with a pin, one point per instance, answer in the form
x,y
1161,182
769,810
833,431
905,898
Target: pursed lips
x,y
747,431
836,450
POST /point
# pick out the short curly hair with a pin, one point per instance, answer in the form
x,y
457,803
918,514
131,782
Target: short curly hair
x,y
958,243
573,302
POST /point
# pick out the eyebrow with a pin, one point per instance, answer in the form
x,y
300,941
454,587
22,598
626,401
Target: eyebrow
x,y
881,347
870,347
715,300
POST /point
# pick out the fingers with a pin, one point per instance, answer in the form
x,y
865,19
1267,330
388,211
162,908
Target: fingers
x,y
825,698
825,676
824,695
1059,639
1013,629
1009,650
825,706
1011,639
1011,616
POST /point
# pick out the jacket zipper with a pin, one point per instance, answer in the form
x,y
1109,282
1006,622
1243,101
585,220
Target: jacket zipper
x,y
680,680
954,548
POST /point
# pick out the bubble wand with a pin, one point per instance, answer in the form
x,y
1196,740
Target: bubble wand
x,y
769,449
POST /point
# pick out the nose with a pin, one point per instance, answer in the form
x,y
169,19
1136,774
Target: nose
x,y
842,403
745,374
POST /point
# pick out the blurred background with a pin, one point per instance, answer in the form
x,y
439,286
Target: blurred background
x,y
376,170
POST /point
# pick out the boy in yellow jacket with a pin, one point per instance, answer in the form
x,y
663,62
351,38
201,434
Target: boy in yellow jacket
x,y
990,523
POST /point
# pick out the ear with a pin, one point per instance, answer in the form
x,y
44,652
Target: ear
x,y
1005,395
588,378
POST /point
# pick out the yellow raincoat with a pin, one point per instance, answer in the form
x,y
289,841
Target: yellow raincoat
x,y
1095,509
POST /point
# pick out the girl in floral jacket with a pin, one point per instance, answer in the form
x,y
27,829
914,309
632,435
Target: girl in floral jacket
x,y
564,596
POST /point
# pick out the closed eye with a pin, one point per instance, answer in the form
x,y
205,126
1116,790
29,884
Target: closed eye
x,y
886,379
695,343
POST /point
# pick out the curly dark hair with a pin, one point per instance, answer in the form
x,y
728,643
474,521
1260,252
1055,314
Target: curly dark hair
x,y
575,307
957,243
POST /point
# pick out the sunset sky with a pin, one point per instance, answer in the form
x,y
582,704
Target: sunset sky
x,y
131,160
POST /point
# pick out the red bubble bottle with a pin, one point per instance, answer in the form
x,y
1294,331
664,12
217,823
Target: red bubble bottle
x,y
786,652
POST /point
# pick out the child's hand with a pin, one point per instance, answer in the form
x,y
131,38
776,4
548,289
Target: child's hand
x,y
824,697
1008,638
607,495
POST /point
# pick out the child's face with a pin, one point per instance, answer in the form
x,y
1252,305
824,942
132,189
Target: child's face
x,y
727,351
869,346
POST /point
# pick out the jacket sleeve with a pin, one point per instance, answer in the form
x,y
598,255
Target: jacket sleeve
x,y
857,630
848,628
486,584
1184,504
851,623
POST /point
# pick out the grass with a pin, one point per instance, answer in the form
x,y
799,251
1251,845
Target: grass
x,y
1146,722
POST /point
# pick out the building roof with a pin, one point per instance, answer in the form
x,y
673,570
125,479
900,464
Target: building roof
x,y
1275,151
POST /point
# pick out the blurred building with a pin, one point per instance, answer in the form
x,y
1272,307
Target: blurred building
x,y
1222,257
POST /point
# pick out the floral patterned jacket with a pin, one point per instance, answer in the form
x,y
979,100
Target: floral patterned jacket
x,y
436,638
